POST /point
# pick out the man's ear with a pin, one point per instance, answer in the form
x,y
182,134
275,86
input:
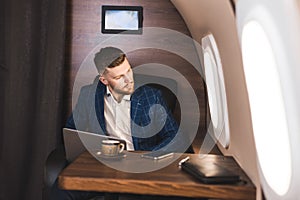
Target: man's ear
x,y
103,80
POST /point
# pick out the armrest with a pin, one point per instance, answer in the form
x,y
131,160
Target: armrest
x,y
55,163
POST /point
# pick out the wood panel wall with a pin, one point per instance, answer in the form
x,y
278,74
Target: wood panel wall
x,y
84,33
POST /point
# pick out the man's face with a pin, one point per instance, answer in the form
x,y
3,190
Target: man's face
x,y
119,79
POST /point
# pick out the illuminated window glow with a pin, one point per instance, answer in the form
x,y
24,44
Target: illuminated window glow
x,y
210,65
267,107
216,90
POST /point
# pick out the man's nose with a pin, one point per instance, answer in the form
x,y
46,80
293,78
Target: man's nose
x,y
128,78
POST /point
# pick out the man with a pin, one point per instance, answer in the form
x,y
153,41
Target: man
x,y
112,106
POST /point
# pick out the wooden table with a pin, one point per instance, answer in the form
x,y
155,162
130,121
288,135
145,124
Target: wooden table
x,y
88,174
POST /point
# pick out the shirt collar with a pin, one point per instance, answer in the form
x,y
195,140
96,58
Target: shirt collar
x,y
126,97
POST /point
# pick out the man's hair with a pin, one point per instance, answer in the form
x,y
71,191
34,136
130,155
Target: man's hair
x,y
108,57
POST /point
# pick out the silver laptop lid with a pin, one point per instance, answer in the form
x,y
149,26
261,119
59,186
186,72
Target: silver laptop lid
x,y
76,142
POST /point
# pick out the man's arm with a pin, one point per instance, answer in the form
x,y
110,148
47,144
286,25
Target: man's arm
x,y
79,117
70,122
164,118
171,138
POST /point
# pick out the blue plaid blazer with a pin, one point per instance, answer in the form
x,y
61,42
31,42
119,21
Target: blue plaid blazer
x,y
88,115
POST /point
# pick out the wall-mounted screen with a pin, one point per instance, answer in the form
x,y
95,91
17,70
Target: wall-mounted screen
x,y
122,19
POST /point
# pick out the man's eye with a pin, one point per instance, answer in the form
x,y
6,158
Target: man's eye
x,y
118,77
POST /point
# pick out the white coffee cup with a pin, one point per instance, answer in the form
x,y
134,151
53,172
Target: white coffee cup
x,y
112,147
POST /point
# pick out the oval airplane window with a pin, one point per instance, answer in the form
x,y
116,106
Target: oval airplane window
x,y
270,49
267,107
216,90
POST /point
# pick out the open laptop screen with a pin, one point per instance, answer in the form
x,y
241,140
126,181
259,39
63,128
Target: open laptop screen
x,y
76,142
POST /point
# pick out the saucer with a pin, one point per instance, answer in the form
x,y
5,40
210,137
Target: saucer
x,y
100,155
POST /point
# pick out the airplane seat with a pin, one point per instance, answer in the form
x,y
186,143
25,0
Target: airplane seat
x,y
56,160
55,163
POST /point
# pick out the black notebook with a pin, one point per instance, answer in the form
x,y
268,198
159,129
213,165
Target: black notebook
x,y
210,172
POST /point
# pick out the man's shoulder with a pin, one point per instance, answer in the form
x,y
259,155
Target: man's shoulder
x,y
96,84
92,88
145,91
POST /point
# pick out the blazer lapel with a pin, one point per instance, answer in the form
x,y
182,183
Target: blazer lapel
x,y
99,105
135,110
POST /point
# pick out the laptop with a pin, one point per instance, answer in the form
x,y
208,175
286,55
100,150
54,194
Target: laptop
x,y
76,142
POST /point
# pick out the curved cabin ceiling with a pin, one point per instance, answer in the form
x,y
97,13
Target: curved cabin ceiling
x,y
217,17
